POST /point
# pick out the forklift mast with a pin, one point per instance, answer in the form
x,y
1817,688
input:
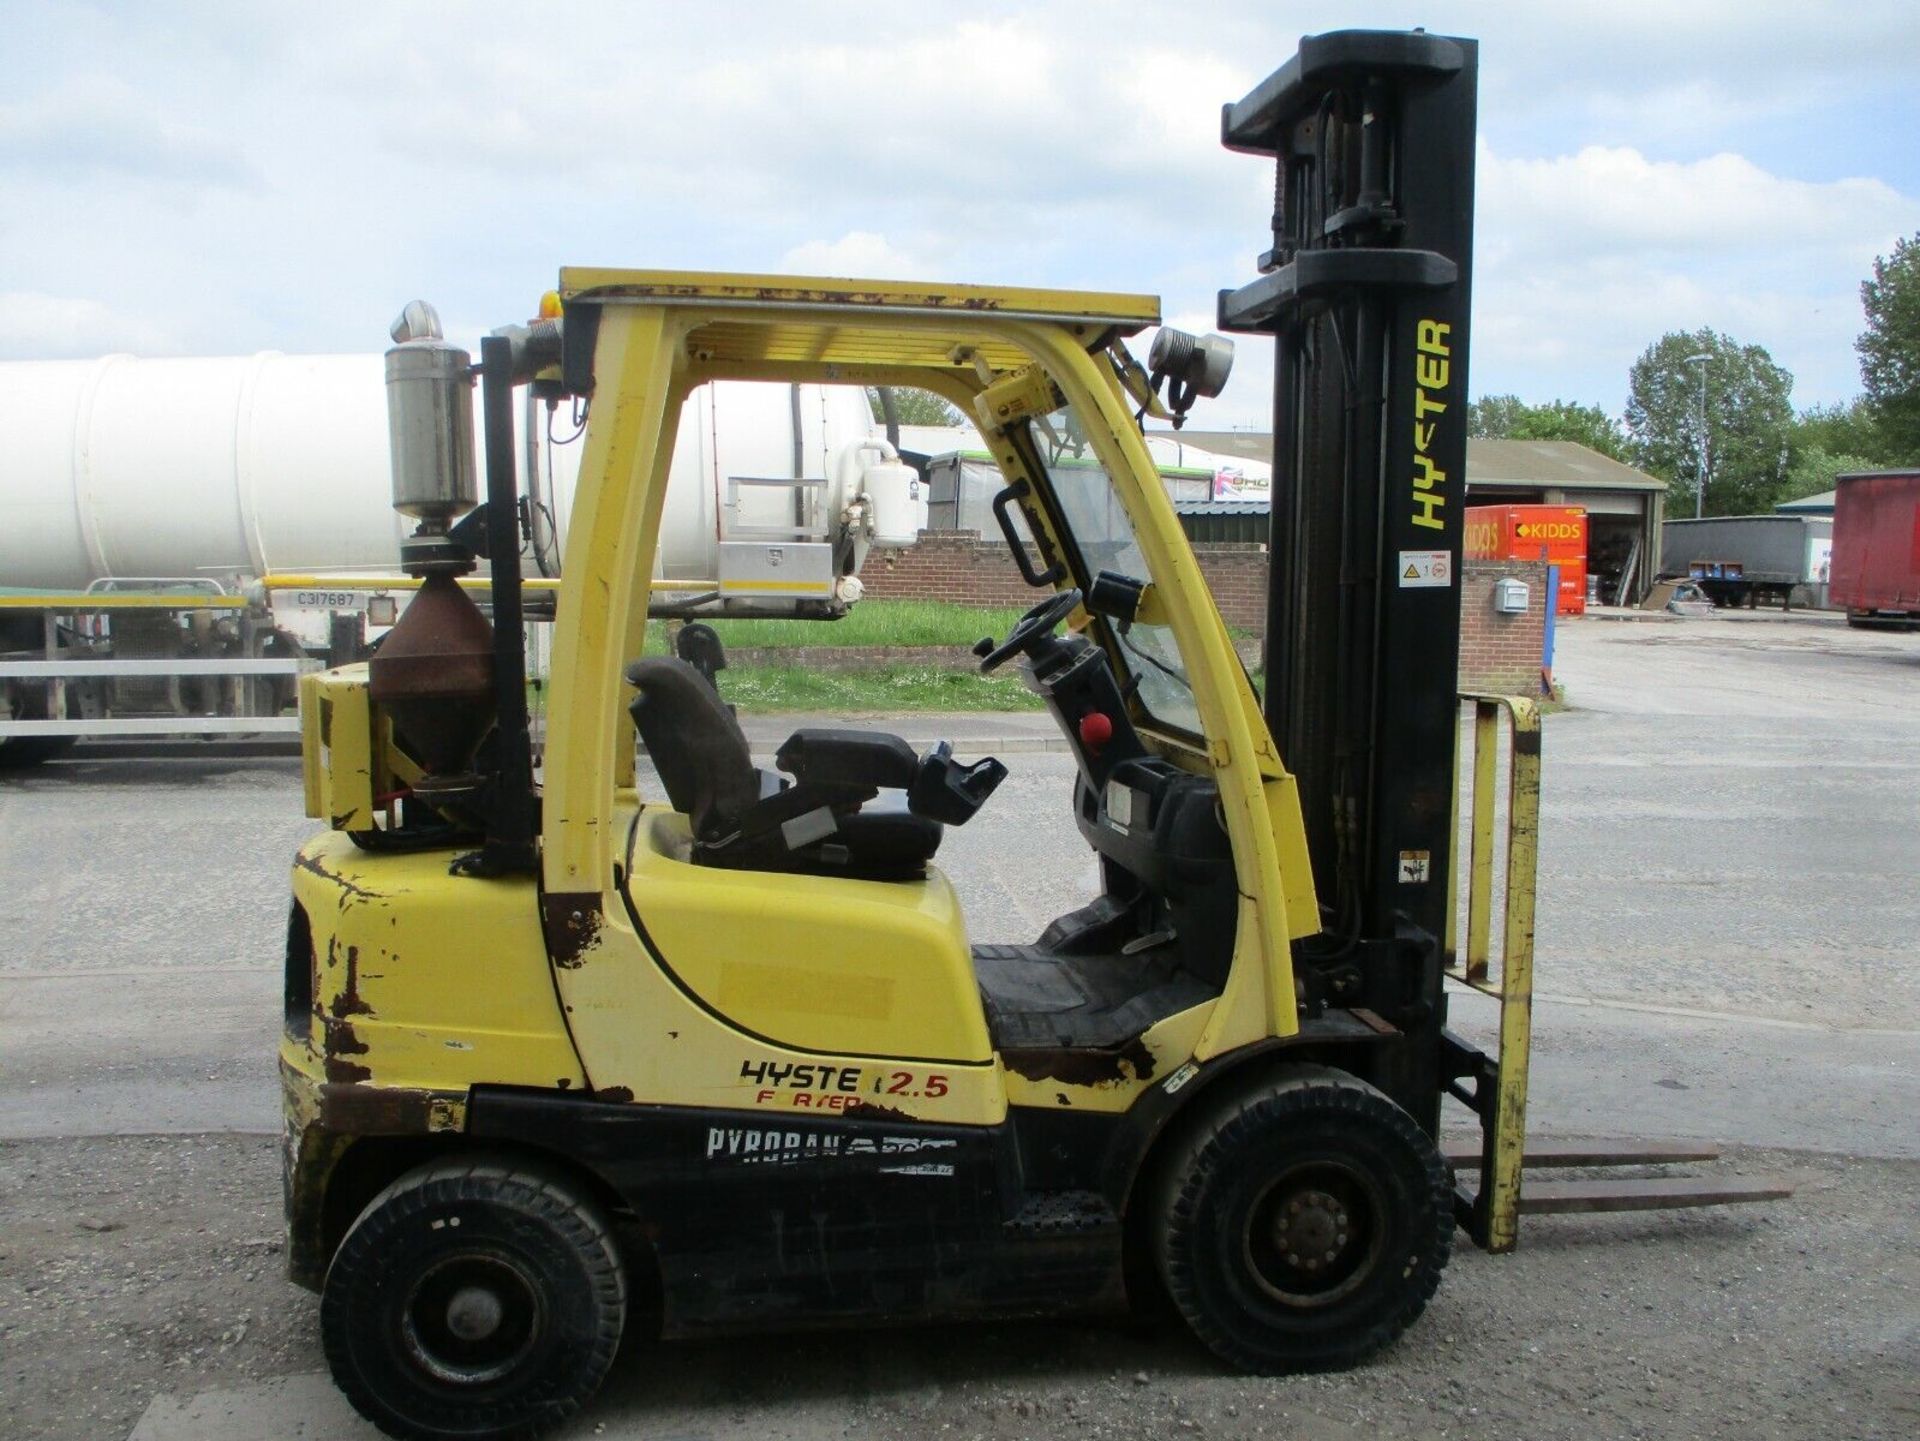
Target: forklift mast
x,y
1366,290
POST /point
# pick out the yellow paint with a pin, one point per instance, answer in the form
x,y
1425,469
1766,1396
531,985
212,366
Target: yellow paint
x,y
823,588
1168,1042
475,584
660,334
874,968
1270,863
771,993
340,765
65,602
879,302
1513,986
612,536
442,982
1024,395
1431,373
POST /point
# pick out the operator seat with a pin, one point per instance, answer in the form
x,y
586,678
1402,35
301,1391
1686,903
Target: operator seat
x,y
749,819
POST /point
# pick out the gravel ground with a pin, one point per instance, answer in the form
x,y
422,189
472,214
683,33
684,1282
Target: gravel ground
x,y
135,1266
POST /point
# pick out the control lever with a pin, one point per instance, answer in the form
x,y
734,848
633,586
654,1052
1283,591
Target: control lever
x,y
946,791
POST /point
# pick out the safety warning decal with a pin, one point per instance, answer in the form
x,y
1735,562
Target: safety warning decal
x,y
1425,567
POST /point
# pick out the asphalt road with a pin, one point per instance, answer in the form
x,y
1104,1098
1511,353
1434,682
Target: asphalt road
x,y
1726,943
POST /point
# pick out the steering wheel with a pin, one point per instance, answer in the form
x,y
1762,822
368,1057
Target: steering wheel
x,y
1032,628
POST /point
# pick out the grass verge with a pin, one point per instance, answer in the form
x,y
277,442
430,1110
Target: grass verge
x,y
880,689
870,623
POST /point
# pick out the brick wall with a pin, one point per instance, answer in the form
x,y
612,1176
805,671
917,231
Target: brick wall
x,y
961,567
1497,652
1236,573
949,565
1501,653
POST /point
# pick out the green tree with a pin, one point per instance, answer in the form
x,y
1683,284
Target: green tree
x,y
1507,417
1831,440
1813,470
1492,417
1849,429
916,407
1749,415
1889,348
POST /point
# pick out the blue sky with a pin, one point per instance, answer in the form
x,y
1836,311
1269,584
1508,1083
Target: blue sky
x,y
215,178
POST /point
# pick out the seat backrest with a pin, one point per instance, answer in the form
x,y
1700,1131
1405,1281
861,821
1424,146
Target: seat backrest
x,y
696,744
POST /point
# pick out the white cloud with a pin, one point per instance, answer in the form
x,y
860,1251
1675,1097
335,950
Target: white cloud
x,y
857,253
253,176
1584,260
47,327
1611,200
95,125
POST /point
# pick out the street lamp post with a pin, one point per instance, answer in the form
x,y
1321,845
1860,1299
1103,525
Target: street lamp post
x,y
1700,486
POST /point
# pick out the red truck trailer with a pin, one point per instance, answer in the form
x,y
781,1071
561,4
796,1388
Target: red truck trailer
x,y
1876,547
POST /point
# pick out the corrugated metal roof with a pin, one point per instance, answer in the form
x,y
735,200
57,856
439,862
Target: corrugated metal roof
x,y
1221,507
1821,504
1240,444
1530,464
1558,464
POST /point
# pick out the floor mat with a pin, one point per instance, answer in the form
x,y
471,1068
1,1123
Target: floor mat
x,y
1039,1000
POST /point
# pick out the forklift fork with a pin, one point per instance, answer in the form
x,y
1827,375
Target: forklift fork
x,y
1494,1087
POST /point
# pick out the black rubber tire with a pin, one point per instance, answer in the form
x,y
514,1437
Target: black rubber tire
x,y
1371,1186
19,752
450,1230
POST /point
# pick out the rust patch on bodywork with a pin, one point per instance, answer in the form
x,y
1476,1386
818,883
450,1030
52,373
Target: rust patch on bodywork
x,y
357,1110
339,1042
311,865
1130,1062
572,921
311,1156
324,1121
351,1002
794,295
868,1111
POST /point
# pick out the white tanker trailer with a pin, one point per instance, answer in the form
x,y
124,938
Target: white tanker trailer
x,y
179,538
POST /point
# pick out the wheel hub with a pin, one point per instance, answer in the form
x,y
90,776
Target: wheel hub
x,y
474,1313
1313,1234
471,1318
1312,1229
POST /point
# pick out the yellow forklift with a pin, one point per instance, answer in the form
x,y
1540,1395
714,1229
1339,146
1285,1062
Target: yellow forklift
x,y
564,1057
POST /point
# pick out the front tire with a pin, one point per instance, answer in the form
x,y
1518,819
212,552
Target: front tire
x,y
473,1298
1304,1225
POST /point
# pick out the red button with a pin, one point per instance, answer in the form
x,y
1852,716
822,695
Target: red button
x,y
1095,730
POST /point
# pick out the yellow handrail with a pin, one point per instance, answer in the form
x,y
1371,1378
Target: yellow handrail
x,y
1503,1112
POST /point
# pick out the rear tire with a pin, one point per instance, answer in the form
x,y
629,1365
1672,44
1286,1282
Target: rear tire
x,y
17,753
1304,1225
473,1298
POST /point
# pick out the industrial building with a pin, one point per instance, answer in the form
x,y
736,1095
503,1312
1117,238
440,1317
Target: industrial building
x,y
1624,506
